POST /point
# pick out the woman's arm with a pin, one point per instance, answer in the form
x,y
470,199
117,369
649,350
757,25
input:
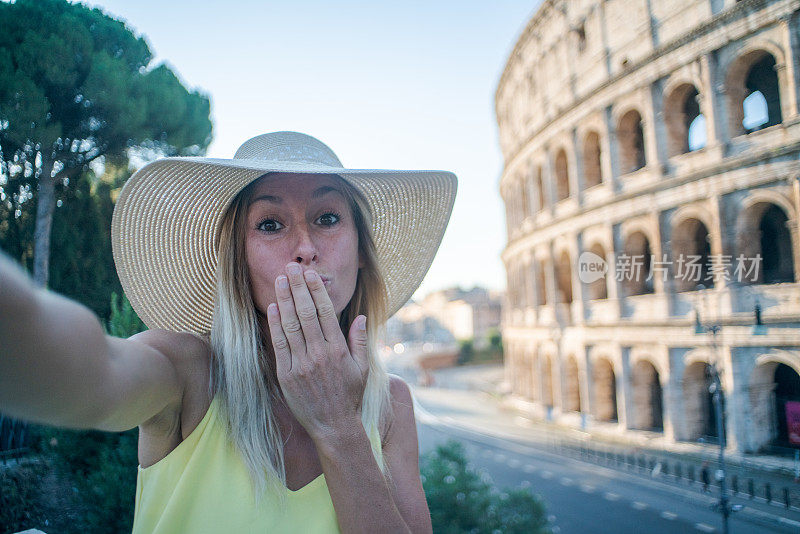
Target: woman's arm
x,y
362,499
58,367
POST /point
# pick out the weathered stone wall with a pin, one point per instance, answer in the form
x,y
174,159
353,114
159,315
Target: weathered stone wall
x,y
624,132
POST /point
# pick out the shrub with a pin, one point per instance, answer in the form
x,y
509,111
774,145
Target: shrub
x,y
466,351
20,507
460,501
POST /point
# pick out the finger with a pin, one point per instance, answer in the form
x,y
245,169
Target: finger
x,y
289,321
325,310
359,343
283,356
304,306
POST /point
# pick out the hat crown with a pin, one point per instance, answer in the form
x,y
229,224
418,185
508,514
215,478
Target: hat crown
x,y
288,146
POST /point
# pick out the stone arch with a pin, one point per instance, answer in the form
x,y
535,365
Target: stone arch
x,y
592,159
774,381
604,381
598,289
546,380
540,282
639,256
538,184
572,385
630,138
648,397
681,110
524,197
753,71
699,414
763,230
563,272
561,168
691,251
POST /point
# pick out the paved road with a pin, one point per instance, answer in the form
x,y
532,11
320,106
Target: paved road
x,y
580,496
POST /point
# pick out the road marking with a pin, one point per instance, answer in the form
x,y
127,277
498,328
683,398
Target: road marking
x,y
611,496
669,515
639,505
586,488
705,528
547,474
514,463
529,468
566,481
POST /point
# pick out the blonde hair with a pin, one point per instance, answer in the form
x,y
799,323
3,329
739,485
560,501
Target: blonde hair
x,y
242,370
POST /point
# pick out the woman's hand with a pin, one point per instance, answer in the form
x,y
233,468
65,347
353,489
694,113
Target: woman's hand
x,y
322,378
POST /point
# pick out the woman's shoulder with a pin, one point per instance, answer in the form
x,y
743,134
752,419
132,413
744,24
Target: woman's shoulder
x,y
189,353
402,409
183,349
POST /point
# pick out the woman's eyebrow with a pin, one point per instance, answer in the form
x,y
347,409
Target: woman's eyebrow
x,y
319,192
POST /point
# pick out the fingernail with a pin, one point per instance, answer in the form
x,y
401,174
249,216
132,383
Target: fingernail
x,y
362,325
283,282
309,274
293,268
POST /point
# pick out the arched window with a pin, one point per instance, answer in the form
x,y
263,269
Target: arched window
x,y
763,233
572,386
699,413
635,279
598,289
592,167
630,135
691,252
647,398
541,200
753,90
685,123
564,278
605,390
562,175
776,246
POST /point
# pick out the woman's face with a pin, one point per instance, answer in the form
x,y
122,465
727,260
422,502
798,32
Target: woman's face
x,y
304,219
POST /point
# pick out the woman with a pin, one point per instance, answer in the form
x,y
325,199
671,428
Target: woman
x,y
261,403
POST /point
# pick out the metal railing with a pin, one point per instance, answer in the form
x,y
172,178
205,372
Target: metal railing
x,y
742,483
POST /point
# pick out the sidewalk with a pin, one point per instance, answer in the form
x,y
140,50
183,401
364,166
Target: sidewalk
x,y
490,378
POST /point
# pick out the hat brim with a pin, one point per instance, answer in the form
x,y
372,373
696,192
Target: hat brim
x,y
166,217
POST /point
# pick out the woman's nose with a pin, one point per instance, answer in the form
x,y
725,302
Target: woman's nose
x,y
305,252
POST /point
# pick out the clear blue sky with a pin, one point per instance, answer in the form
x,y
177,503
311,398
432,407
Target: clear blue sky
x,y
384,84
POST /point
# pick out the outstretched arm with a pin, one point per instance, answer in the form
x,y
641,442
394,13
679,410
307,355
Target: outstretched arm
x,y
58,367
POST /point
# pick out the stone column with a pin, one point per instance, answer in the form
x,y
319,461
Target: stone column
x,y
787,72
625,396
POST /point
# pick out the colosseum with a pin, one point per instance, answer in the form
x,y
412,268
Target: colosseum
x,y
652,188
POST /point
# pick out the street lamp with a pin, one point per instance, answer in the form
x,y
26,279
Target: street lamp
x,y
723,506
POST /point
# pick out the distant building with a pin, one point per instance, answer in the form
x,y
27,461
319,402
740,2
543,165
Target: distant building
x,y
658,140
448,315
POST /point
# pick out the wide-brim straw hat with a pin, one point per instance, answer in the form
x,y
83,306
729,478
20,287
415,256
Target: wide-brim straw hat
x,y
167,214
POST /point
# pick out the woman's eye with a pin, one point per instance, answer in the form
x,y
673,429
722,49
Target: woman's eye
x,y
269,225
328,219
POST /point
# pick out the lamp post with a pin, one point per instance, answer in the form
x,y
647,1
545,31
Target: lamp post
x,y
723,506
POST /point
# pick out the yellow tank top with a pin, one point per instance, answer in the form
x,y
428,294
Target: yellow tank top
x,y
203,487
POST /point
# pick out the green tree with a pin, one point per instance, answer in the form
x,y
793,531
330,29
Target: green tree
x,y
76,86
460,501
